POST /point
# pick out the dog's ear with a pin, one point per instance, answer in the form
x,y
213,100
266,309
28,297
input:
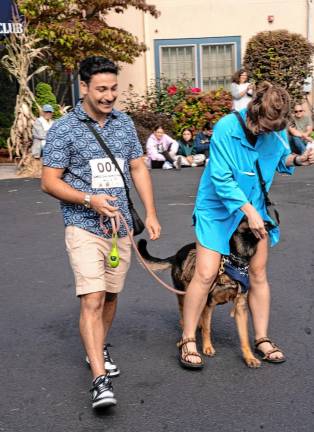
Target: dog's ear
x,y
243,226
268,226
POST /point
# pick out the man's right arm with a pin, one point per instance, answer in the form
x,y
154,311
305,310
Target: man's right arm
x,y
52,183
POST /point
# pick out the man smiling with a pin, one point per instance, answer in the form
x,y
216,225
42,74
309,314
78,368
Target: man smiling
x,y
79,173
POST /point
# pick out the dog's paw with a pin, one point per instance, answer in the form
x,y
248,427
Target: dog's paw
x,y
209,350
252,362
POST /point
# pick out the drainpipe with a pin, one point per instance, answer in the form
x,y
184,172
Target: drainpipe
x,y
147,65
309,29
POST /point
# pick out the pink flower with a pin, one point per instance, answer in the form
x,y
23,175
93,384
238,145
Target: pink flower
x,y
196,90
172,90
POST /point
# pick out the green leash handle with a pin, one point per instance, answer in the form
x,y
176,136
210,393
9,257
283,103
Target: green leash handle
x,y
114,258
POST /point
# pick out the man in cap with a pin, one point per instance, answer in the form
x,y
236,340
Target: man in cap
x,y
40,128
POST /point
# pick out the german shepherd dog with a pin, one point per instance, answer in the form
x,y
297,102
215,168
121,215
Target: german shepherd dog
x,y
227,286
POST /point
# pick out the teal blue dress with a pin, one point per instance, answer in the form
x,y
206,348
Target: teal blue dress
x,y
230,180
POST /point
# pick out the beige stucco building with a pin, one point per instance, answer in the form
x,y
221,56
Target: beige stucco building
x,y
204,40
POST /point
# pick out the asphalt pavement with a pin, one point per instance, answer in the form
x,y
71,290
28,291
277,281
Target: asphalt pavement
x,y
44,380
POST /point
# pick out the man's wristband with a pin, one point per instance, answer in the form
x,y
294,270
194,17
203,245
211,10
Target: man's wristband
x,y
295,162
87,201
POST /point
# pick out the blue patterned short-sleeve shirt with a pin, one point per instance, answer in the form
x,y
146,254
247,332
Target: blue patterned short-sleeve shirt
x,y
71,145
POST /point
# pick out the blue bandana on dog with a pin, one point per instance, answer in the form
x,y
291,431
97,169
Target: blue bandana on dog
x,y
237,272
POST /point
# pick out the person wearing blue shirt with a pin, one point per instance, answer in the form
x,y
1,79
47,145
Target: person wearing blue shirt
x,y
202,139
229,190
79,173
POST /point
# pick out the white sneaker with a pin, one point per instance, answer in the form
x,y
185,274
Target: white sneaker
x,y
102,392
193,164
111,368
167,165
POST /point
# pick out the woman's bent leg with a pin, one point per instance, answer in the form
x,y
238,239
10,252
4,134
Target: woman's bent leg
x,y
206,269
259,296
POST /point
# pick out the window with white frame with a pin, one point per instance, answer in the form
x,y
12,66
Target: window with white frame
x,y
178,62
218,66
208,63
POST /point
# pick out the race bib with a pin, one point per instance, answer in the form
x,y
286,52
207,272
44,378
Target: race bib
x,y
105,174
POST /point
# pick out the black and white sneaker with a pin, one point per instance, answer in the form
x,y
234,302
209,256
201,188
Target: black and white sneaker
x,y
102,392
111,369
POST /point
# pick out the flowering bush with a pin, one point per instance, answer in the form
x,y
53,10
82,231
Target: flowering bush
x,y
161,97
176,107
198,108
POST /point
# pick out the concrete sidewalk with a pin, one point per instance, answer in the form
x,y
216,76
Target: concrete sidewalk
x,y
9,171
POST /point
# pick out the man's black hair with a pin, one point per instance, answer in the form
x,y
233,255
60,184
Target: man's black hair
x,y
94,65
208,126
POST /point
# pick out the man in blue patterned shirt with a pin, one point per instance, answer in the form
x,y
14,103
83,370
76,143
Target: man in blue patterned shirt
x,y
79,173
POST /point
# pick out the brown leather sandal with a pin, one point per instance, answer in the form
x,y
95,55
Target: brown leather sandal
x,y
184,353
267,356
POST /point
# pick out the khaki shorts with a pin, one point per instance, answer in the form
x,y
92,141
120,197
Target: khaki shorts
x,y
88,257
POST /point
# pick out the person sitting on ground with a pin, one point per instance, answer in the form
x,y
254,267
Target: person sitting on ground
x,y
300,129
202,139
162,150
187,150
241,90
40,128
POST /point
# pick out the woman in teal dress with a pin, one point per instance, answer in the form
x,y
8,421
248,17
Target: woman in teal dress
x,y
229,190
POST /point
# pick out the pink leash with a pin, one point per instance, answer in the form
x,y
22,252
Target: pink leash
x,y
115,223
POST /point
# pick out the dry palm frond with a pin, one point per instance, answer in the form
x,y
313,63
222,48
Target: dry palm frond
x,y
22,50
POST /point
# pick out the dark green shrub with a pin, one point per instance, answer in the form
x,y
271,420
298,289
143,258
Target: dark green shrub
x,y
145,121
8,90
44,95
6,121
280,57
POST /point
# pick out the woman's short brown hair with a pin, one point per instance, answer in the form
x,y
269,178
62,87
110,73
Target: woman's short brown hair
x,y
269,108
237,74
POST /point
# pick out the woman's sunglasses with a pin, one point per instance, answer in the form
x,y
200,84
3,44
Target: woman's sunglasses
x,y
297,111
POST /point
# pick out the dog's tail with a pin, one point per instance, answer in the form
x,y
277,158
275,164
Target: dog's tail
x,y
154,263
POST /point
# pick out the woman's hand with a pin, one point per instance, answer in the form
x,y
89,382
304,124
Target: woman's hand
x,y
153,227
100,204
256,223
307,158
190,159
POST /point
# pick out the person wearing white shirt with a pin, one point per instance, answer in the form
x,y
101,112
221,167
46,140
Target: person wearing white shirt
x,y
241,90
40,128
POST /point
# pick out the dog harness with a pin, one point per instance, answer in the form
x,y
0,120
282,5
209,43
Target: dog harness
x,y
235,270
